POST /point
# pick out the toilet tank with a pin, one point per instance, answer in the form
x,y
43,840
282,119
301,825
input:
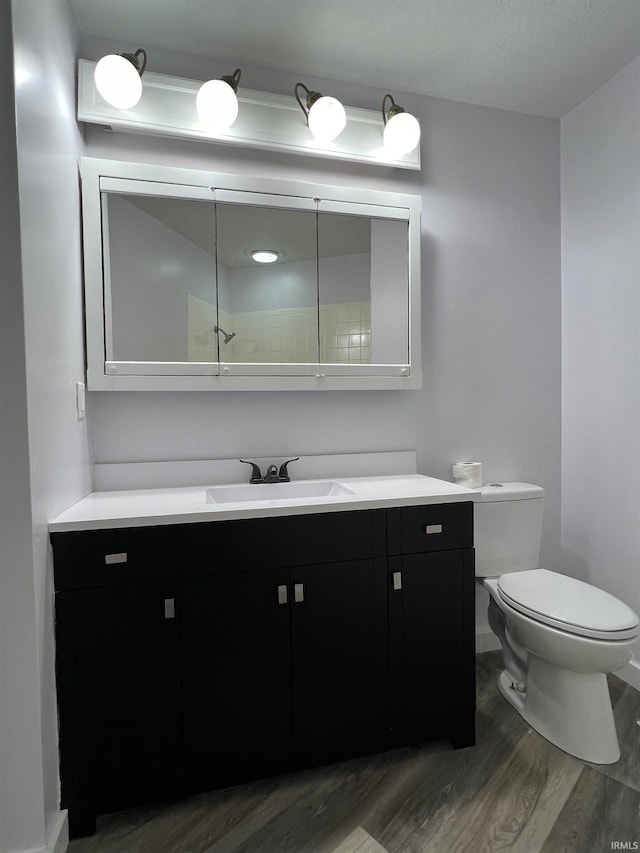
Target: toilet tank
x,y
508,528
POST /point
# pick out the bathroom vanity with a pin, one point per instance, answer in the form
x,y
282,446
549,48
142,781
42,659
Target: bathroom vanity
x,y
201,649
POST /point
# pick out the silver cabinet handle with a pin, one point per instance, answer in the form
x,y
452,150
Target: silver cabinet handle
x,y
169,608
112,559
432,528
298,592
282,594
397,580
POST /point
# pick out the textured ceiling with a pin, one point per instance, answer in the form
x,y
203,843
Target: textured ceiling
x,y
534,56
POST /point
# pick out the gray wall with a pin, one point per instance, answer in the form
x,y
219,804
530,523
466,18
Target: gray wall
x,y
46,359
601,337
21,789
293,285
153,268
389,303
490,185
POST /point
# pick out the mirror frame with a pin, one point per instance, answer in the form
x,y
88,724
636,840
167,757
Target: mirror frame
x,y
98,174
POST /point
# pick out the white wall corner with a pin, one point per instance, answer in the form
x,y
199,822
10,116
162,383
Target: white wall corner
x,y
630,673
486,641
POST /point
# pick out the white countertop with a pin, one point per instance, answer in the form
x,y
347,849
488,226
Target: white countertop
x,y
152,507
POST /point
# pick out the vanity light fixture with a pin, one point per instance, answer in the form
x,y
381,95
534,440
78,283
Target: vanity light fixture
x,y
325,115
401,131
217,101
264,120
118,78
264,256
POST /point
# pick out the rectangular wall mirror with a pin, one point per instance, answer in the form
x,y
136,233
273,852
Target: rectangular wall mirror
x,y
197,280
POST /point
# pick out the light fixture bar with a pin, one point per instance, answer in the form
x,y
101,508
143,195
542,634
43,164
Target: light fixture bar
x,y
265,121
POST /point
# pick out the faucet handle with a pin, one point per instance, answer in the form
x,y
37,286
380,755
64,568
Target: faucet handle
x,y
256,475
283,473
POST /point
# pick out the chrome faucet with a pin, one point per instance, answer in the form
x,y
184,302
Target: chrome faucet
x,y
273,475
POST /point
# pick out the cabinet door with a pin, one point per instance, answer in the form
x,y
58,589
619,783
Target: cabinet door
x,y
431,622
236,673
340,655
118,678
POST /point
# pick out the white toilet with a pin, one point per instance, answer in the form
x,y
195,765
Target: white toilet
x,y
559,636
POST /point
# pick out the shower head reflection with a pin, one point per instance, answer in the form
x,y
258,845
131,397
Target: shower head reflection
x,y
227,335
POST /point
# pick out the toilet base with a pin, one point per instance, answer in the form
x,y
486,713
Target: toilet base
x,y
570,709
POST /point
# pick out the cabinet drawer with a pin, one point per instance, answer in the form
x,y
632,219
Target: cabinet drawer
x,y
95,558
270,543
437,527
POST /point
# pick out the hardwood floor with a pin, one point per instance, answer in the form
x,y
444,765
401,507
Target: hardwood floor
x,y
513,791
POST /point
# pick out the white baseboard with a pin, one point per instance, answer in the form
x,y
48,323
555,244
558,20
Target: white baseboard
x,y
486,641
630,673
58,833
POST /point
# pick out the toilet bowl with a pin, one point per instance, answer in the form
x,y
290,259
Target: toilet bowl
x,y
559,636
558,683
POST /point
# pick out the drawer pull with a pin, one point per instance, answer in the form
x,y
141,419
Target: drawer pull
x,y
282,593
298,592
433,528
169,608
112,559
397,580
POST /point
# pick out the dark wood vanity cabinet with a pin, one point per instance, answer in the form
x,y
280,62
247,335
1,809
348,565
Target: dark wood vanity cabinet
x,y
340,648
200,655
286,662
117,669
236,645
282,663
432,621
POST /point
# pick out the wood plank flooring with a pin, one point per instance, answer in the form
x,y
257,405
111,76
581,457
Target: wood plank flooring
x,y
513,791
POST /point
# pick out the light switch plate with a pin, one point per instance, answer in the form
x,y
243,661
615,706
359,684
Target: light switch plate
x,y
80,400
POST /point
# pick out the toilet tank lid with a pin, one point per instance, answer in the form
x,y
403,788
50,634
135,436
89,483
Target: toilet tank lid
x,y
510,492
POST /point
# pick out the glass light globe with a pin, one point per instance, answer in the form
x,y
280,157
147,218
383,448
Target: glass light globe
x,y
401,134
217,104
118,81
327,119
265,256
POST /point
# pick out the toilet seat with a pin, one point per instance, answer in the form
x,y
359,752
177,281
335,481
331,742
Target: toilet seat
x,y
568,604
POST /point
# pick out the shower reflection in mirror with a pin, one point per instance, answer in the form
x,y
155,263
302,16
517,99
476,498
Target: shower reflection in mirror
x,y
254,284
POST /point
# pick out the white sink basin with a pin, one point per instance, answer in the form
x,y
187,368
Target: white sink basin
x,y
251,492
